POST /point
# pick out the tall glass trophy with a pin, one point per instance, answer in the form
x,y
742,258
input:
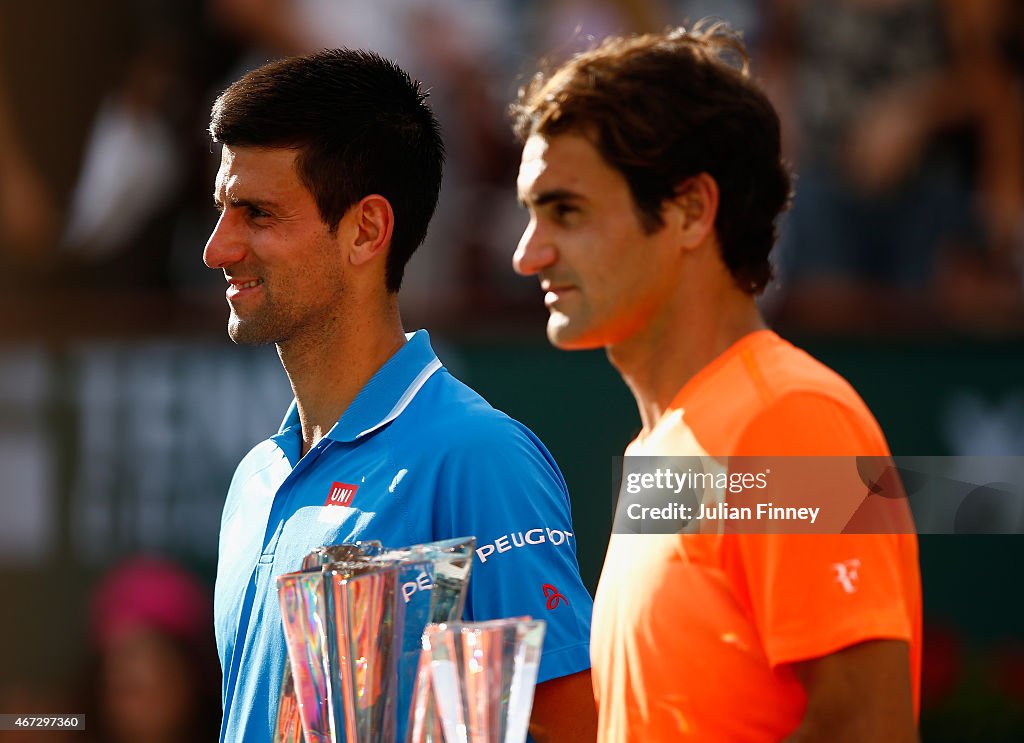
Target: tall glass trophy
x,y
288,723
434,584
364,636
309,614
353,632
480,677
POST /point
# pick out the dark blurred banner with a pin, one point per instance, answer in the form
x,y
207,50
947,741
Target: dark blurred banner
x,y
112,447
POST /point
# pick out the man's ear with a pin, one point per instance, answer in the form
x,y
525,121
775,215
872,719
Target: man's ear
x,y
374,223
694,207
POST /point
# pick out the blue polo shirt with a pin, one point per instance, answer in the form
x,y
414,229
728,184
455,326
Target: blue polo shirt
x,y
417,456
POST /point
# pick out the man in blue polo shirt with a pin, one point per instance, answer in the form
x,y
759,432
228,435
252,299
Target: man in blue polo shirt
x,y
330,170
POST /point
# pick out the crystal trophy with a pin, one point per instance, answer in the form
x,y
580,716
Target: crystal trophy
x,y
288,723
304,616
434,582
347,552
481,677
353,633
364,635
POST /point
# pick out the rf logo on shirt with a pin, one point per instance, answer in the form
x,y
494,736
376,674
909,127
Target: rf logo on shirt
x,y
846,573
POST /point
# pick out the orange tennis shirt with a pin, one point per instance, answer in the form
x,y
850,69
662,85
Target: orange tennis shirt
x,y
693,634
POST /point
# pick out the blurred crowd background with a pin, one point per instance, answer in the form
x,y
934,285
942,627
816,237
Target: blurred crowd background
x,y
124,408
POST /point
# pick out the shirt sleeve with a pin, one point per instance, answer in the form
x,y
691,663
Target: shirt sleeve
x,y
500,484
814,594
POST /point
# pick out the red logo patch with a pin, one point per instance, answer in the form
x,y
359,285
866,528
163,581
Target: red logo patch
x,y
553,596
341,494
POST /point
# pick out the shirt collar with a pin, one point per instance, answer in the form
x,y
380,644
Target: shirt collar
x,y
387,393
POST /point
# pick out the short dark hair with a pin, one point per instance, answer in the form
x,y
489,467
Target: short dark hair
x,y
361,125
661,108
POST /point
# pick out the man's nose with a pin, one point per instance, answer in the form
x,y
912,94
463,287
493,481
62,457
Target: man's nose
x,y
225,246
534,253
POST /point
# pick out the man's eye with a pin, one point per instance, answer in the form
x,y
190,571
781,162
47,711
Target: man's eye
x,y
255,213
564,210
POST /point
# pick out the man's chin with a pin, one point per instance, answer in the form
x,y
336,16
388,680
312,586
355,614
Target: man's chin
x,y
563,336
248,333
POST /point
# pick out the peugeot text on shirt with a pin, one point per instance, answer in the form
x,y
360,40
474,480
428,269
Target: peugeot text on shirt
x,y
517,539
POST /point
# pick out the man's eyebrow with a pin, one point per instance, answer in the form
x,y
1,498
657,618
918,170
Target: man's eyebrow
x,y
546,197
262,204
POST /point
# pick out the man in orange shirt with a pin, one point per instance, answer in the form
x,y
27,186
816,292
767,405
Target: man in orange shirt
x,y
651,170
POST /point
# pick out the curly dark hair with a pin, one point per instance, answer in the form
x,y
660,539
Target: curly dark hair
x,y
662,108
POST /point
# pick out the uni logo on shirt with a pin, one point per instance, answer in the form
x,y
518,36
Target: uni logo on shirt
x,y
341,494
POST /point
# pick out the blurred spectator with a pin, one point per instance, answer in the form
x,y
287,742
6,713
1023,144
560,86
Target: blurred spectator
x,y
906,130
942,665
28,218
156,678
133,161
981,689
558,27
99,137
133,220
